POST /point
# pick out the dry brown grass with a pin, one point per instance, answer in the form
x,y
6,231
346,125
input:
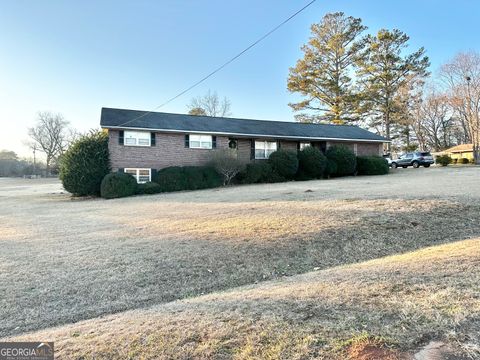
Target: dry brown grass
x,y
104,257
387,307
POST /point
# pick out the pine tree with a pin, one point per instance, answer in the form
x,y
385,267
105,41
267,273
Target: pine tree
x,y
322,76
383,70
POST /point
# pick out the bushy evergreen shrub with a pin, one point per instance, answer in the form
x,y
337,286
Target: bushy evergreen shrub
x,y
311,163
372,165
443,160
85,164
116,185
177,178
465,161
344,159
149,188
259,172
284,163
330,169
171,179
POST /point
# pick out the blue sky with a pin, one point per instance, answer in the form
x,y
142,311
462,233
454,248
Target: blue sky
x,y
74,57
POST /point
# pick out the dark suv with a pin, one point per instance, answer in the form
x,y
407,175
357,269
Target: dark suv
x,y
415,159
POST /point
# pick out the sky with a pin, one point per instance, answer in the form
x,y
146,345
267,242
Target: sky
x,y
75,57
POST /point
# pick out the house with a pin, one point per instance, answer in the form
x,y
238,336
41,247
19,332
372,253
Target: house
x,y
458,152
142,142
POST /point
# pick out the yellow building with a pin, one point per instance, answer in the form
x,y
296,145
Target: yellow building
x,y
458,152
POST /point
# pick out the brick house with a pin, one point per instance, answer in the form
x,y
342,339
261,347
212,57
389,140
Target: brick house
x,y
141,143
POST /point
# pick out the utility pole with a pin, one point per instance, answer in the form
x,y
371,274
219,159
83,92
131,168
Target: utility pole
x,y
34,160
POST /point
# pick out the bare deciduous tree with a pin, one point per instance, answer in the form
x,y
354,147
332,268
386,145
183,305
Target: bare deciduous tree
x,y
462,76
50,134
210,105
433,121
227,164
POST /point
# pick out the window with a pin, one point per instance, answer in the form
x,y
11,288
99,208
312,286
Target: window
x,y
200,141
142,175
263,149
303,145
355,149
137,138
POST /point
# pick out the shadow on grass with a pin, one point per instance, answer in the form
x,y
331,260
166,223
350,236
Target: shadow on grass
x,y
74,275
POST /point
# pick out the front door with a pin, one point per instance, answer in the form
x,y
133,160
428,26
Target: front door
x,y
322,145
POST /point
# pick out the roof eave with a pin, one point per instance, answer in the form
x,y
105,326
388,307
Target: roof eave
x,y
246,135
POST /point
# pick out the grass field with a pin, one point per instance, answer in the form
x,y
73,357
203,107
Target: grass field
x,y
67,260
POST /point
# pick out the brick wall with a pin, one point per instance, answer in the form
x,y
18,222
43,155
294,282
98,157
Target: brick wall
x,y
369,149
170,150
363,148
244,149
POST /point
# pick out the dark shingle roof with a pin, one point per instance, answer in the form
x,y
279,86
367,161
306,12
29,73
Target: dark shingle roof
x,y
120,118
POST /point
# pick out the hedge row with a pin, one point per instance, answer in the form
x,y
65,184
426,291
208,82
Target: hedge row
x,y
311,163
175,178
282,165
372,165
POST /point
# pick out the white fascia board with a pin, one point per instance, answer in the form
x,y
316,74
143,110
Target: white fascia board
x,y
241,134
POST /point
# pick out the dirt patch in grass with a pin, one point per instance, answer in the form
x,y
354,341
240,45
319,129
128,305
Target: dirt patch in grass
x,y
391,307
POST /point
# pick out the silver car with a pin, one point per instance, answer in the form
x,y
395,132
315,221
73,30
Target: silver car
x,y
415,159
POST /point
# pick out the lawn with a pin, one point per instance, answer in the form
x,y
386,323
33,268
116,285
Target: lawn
x,y
67,260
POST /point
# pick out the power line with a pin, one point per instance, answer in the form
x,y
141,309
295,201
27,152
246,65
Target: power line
x,y
223,65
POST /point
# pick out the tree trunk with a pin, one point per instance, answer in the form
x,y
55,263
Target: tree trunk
x,y
47,168
387,130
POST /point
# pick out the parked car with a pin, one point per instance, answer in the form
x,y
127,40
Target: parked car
x,y
388,159
415,159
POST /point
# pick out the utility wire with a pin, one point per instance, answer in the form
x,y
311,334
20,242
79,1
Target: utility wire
x,y
221,66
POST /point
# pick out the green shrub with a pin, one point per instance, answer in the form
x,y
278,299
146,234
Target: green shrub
x,y
149,188
330,168
284,163
201,177
178,178
465,161
344,158
372,165
454,161
116,185
443,160
255,173
171,179
311,163
259,172
85,164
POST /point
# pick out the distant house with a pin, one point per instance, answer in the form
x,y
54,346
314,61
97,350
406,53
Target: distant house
x,y
458,152
141,143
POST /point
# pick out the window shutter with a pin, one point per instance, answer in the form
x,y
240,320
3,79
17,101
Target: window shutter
x,y
252,149
120,137
187,140
298,146
278,145
121,170
214,142
152,139
153,174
